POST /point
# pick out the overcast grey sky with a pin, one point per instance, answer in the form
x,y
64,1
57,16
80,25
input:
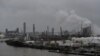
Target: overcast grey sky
x,y
66,13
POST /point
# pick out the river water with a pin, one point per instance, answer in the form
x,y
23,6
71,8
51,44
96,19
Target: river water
x,y
6,50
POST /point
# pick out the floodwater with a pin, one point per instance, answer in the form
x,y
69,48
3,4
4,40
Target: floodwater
x,y
6,50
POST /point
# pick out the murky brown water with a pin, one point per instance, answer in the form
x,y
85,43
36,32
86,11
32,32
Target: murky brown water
x,y
6,50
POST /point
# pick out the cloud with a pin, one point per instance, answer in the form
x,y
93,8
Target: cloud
x,y
42,12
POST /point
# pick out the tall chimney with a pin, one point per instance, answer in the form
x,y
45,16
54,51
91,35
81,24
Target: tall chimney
x,y
34,29
61,31
52,31
17,30
24,27
6,30
47,31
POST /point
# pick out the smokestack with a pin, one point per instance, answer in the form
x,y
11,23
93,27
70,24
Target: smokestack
x,y
6,30
34,29
61,31
47,31
17,30
24,27
52,31
81,32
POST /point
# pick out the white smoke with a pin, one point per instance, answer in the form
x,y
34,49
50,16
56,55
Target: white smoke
x,y
96,29
61,17
72,21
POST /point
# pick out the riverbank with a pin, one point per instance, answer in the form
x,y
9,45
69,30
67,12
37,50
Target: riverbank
x,y
57,49
6,50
